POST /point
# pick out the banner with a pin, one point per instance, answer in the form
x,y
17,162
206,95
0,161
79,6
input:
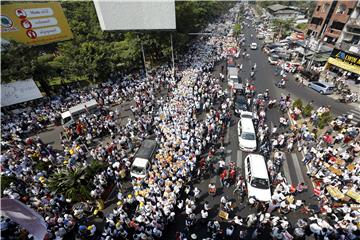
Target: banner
x,y
24,216
34,23
136,15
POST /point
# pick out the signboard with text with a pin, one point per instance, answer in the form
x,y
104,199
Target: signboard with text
x,y
34,23
345,57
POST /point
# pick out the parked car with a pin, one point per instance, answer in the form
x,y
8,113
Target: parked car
x,y
253,46
323,88
273,59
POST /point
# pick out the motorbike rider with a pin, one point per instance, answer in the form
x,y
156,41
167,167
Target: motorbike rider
x,y
266,94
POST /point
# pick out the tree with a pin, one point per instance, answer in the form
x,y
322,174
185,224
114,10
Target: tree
x,y
75,184
282,26
237,29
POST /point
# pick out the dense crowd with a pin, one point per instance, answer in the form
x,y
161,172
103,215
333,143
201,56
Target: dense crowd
x,y
188,122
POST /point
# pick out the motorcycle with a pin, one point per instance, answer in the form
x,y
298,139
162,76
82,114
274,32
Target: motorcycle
x,y
280,84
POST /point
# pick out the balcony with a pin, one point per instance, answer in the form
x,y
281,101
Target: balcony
x,y
347,46
313,26
333,32
353,31
354,23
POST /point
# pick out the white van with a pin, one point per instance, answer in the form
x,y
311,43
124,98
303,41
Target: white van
x,y
233,76
142,159
246,133
257,178
69,117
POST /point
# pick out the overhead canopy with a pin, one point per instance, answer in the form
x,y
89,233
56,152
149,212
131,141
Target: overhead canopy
x,y
18,92
24,216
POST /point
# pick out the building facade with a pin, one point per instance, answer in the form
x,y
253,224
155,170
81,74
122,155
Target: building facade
x,y
346,54
329,19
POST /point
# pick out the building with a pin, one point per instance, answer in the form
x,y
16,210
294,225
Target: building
x,y
329,19
279,11
349,39
346,54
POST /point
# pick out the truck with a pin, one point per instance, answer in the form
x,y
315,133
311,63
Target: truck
x,y
69,117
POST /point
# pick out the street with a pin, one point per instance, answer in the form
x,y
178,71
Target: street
x,y
293,169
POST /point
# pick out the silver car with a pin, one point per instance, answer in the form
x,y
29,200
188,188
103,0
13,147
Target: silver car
x,y
321,87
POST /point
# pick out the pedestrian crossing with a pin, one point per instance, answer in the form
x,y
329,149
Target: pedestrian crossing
x,y
292,168
356,113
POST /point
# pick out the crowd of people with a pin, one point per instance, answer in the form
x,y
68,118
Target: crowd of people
x,y
189,121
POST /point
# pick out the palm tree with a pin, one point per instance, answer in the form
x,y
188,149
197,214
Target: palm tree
x,y
74,184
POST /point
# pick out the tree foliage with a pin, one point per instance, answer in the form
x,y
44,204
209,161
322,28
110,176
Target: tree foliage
x,y
74,183
94,54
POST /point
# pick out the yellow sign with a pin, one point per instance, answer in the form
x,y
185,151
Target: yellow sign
x,y
223,215
346,66
34,23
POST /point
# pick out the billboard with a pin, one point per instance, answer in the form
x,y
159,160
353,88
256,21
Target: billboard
x,y
347,61
18,92
34,23
136,15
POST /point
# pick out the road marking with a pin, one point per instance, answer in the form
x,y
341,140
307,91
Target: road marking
x,y
354,111
228,157
298,171
239,159
227,135
287,171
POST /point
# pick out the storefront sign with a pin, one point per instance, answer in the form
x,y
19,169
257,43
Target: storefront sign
x,y
345,57
34,23
344,60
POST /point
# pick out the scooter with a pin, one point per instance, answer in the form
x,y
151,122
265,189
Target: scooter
x,y
280,84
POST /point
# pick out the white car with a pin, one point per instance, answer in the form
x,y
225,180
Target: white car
x,y
257,178
247,135
253,46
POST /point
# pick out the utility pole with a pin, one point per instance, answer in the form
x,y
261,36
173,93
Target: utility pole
x,y
172,56
143,55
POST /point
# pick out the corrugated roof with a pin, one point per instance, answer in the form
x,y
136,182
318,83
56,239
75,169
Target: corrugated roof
x,y
277,7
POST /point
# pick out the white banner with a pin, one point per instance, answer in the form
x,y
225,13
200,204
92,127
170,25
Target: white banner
x,y
33,222
136,15
18,92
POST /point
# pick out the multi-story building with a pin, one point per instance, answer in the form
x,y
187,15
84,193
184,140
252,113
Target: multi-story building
x,y
349,39
329,19
346,54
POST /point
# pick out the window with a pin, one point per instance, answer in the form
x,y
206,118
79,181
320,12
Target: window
x,y
341,9
318,8
337,25
350,11
326,7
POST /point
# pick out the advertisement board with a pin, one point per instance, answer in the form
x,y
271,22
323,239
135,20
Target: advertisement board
x,y
34,23
347,61
136,15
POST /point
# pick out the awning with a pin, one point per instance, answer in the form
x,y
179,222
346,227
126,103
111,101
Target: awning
x,y
344,65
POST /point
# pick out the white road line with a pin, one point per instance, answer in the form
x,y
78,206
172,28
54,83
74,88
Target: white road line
x,y
239,159
287,171
228,157
298,171
227,135
355,111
